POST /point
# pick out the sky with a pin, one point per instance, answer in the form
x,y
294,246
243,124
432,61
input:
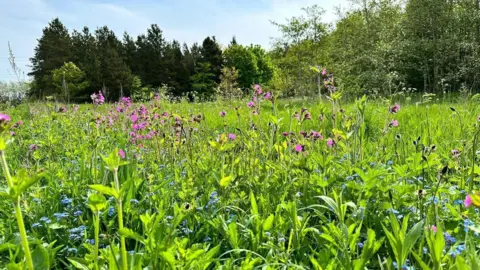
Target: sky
x,y
22,21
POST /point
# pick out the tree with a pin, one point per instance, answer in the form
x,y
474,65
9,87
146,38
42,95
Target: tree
x,y
203,83
212,54
178,74
52,51
150,57
228,87
243,60
69,80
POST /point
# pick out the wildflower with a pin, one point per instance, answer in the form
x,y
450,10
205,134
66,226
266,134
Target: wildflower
x,y
467,223
72,250
222,114
134,201
299,148
297,116
75,108
330,142
232,136
258,89
12,133
134,118
478,118
316,135
324,72
455,153
425,250
91,241
45,220
394,123
32,147
131,252
65,200
251,104
395,108
121,153
468,201
434,228
77,213
449,239
285,134
168,217
59,216
307,116
389,163
281,240
360,245
98,99
37,200
36,225
4,118
111,211
268,96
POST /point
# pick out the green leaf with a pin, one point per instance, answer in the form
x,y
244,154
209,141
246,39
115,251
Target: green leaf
x,y
7,246
105,190
225,181
233,234
422,264
169,258
97,202
268,223
128,233
79,263
253,203
41,259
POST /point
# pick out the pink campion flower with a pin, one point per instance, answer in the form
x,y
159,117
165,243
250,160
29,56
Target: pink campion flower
x,y
395,108
324,72
303,133
468,201
330,142
268,96
299,148
434,228
98,99
478,118
285,134
455,153
20,123
121,153
4,118
297,115
307,116
251,104
222,114
255,112
165,114
134,118
32,147
316,135
232,136
394,123
12,133
148,136
258,89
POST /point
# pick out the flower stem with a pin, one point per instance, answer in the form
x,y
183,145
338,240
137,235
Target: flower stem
x,y
123,248
18,213
97,232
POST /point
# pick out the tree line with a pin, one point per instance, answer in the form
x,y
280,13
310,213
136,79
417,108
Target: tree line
x,y
377,47
74,65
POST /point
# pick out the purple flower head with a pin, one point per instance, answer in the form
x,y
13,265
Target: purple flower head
x,y
455,153
268,96
4,118
98,99
299,148
134,118
330,142
395,108
251,104
316,135
121,153
32,147
222,114
468,201
232,136
324,72
297,116
394,123
307,116
258,89
478,118
285,134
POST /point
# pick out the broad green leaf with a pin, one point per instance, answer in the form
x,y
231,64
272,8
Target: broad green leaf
x,y
128,233
79,263
169,258
105,190
268,223
225,181
41,259
97,202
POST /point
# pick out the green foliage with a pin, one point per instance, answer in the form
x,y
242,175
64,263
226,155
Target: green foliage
x,y
69,80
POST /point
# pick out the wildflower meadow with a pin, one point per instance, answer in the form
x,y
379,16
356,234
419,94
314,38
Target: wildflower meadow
x,y
262,183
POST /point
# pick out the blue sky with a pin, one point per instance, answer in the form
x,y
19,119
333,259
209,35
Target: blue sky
x,y
22,21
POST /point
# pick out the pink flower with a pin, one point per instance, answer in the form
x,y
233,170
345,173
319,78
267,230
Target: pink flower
x,y
307,116
20,123
255,112
455,153
98,99
468,201
251,104
268,96
134,118
478,118
434,228
285,134
316,135
232,136
330,142
12,133
33,147
395,108
121,153
324,72
258,89
394,123
4,118
299,148
222,114
297,115
75,108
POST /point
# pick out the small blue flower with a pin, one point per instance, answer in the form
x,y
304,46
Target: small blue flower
x,y
389,163
111,211
299,194
349,178
134,201
393,211
72,250
91,241
169,217
425,250
59,216
36,225
360,245
466,224
65,200
36,200
281,240
207,239
450,239
186,231
77,213
131,252
46,220
268,234
457,202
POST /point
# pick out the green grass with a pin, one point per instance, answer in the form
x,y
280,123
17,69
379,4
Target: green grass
x,y
190,197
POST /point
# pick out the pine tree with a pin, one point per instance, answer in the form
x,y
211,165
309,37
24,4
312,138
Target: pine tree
x,y
52,51
212,54
178,75
150,57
